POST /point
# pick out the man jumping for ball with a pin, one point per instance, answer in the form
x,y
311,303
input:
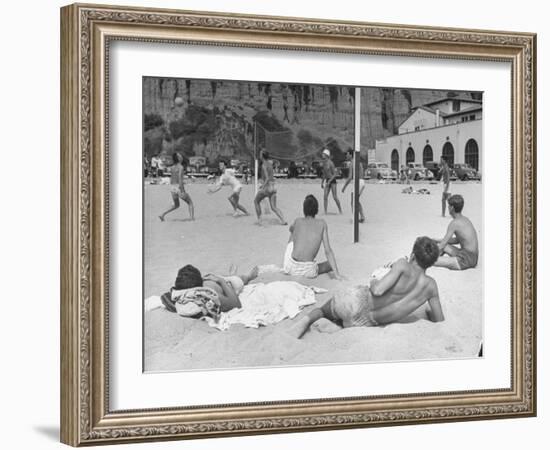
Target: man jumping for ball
x,y
268,189
228,178
178,188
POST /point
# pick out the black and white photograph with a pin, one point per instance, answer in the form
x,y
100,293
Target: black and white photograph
x,y
289,224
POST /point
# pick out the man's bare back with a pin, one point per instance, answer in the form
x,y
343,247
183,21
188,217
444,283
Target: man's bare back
x,y
465,233
399,293
307,235
405,282
460,231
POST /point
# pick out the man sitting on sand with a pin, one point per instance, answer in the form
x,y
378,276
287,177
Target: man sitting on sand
x,y
195,295
400,292
306,236
460,231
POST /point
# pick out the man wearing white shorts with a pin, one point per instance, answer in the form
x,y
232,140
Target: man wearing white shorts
x,y
228,178
349,164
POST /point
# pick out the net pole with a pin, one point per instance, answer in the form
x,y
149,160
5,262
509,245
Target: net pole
x,y
255,159
356,164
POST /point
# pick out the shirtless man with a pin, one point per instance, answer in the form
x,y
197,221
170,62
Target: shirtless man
x,y
228,178
178,188
328,184
306,236
268,189
349,161
399,293
446,180
460,231
223,290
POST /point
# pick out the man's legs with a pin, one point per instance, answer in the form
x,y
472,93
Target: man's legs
x,y
277,211
253,274
302,324
444,198
257,200
187,199
325,197
176,200
236,196
335,196
324,267
450,261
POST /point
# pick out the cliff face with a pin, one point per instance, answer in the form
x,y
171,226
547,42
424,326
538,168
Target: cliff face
x,y
217,118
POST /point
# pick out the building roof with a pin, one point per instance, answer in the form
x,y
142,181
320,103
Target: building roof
x,y
425,108
446,99
465,110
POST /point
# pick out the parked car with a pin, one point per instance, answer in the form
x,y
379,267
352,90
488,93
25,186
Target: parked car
x,y
418,172
433,167
466,172
380,171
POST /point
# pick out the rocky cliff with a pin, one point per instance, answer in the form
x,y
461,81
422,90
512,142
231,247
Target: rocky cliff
x,y
218,118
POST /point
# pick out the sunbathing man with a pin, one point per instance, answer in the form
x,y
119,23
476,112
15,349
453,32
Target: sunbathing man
x,y
349,161
228,178
268,189
194,294
306,236
328,184
394,296
460,231
178,188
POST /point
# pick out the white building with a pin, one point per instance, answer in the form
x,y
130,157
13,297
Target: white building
x,y
450,127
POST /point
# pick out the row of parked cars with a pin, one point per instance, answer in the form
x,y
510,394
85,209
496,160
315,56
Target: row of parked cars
x,y
418,171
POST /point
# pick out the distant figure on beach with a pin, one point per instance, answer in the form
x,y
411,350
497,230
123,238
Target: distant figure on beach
x,y
178,188
394,296
267,189
228,178
195,295
306,236
446,180
462,232
402,174
349,163
328,184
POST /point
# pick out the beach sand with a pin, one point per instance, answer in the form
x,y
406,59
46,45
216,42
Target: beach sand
x,y
216,239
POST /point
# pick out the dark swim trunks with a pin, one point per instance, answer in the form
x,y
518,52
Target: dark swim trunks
x,y
333,182
466,259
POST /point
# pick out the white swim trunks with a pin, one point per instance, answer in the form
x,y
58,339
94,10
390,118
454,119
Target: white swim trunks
x,y
307,269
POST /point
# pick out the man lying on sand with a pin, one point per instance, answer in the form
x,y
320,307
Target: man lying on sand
x,y
460,231
400,292
194,295
306,236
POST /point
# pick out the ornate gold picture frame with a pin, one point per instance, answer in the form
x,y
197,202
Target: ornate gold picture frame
x,y
86,34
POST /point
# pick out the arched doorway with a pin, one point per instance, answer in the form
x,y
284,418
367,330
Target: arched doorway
x,y
409,156
471,154
448,153
427,154
395,160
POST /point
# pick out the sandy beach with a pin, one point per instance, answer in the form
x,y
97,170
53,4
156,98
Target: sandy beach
x,y
216,239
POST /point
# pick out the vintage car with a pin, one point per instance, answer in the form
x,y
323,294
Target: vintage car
x,y
416,171
466,172
380,171
433,167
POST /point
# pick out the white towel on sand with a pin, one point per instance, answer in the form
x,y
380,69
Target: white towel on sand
x,y
266,304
